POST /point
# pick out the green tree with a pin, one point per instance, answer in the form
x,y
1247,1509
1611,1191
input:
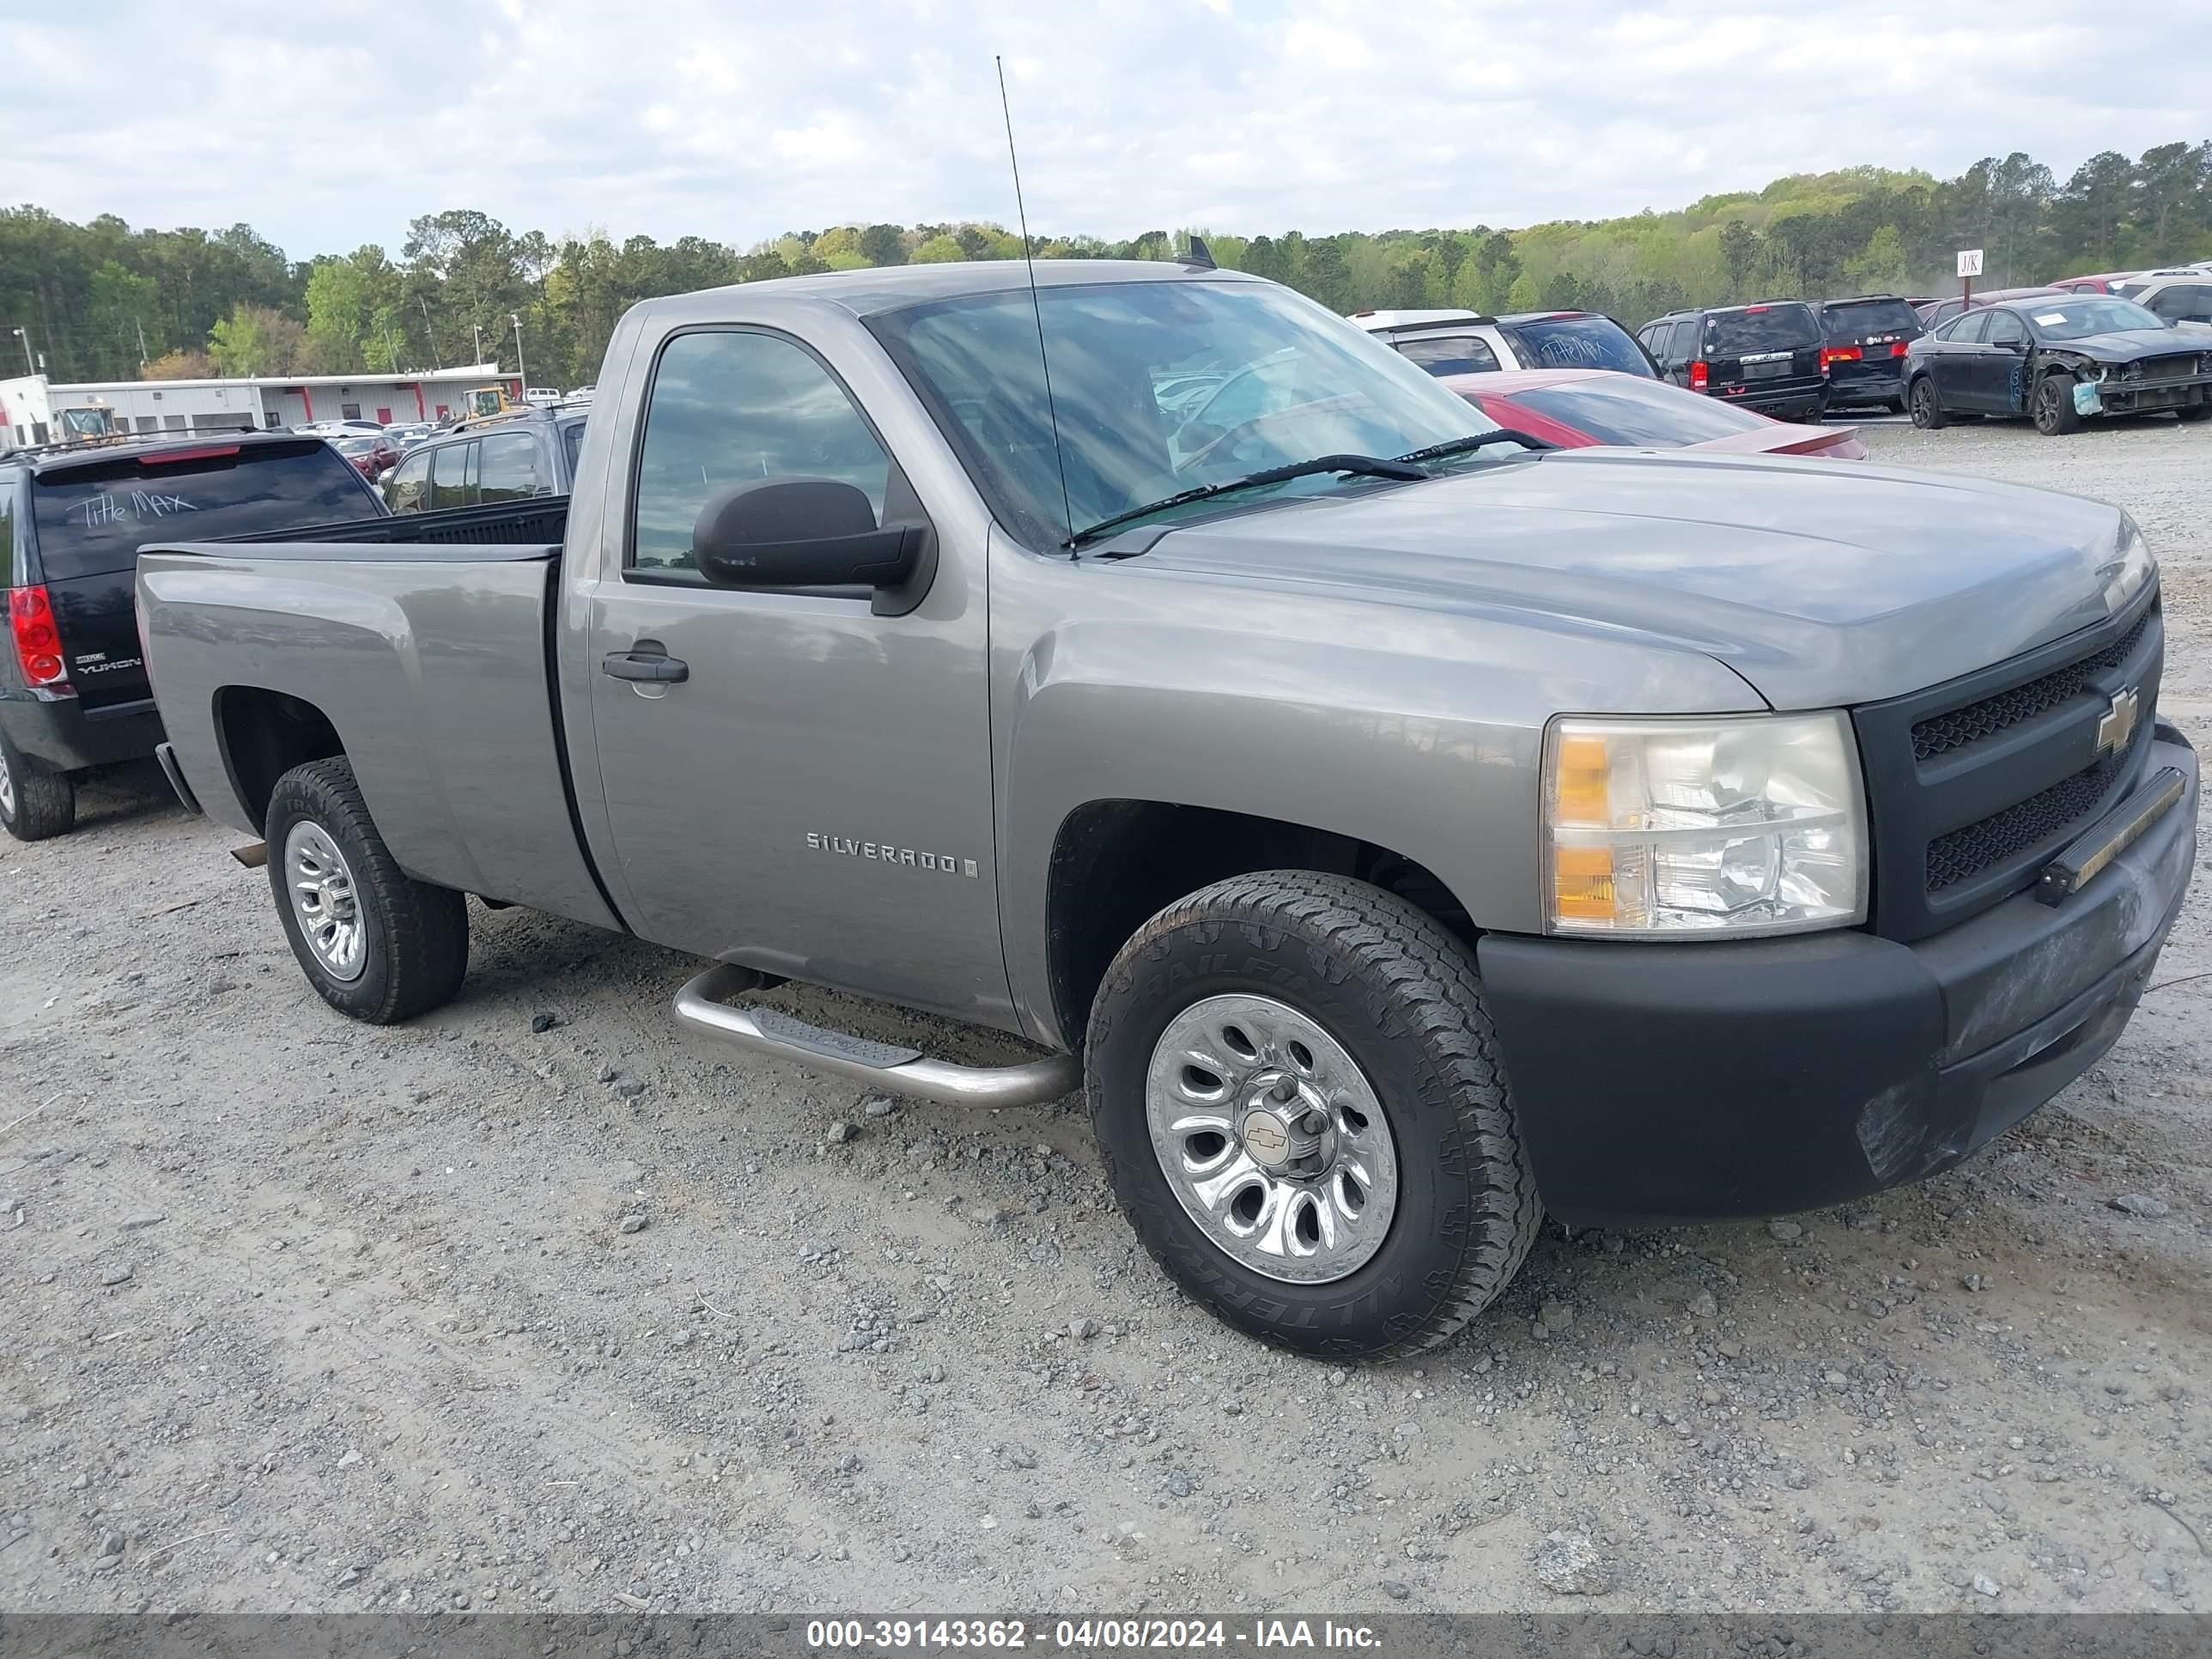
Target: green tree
x,y
1739,255
257,340
940,249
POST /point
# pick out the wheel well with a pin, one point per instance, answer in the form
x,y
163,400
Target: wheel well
x,y
1117,863
264,734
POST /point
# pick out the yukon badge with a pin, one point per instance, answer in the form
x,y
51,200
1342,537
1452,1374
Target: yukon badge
x,y
2119,724
884,852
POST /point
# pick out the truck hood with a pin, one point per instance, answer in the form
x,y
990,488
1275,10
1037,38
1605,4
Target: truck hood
x,y
1822,583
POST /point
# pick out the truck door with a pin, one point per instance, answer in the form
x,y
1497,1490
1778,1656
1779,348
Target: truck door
x,y
813,796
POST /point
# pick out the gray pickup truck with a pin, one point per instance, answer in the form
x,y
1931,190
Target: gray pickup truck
x,y
1396,830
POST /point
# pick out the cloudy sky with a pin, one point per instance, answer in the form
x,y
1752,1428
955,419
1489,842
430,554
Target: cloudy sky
x,y
328,126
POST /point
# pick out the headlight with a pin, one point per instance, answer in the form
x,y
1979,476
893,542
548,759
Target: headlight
x,y
1736,826
2128,566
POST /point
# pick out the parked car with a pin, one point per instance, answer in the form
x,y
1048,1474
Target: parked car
x,y
374,455
2057,361
2180,298
73,690
502,459
583,394
1766,357
2132,287
1939,312
1867,338
1411,833
1470,342
411,434
1576,408
339,429
541,397
2103,282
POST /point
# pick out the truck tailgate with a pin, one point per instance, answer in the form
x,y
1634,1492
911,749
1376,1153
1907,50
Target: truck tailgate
x,y
431,663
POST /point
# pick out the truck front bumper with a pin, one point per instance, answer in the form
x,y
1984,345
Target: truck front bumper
x,y
1699,1081
64,736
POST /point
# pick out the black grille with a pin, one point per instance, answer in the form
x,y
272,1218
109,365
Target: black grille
x,y
2001,836
2165,369
1944,733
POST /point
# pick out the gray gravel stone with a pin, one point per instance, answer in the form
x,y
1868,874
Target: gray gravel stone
x,y
131,1223
1785,1231
840,1132
1572,1566
879,1106
116,1275
2142,1204
632,1222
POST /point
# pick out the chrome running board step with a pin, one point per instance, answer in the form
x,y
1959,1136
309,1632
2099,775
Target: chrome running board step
x,y
701,1007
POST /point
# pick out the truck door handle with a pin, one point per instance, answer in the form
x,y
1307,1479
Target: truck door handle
x,y
650,666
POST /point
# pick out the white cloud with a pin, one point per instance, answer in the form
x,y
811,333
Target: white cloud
x,y
741,120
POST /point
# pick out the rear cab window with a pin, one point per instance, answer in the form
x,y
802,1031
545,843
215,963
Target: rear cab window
x,y
1784,327
90,518
1853,322
1575,342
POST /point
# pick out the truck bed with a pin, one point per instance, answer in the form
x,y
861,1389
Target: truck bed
x,y
425,641
540,521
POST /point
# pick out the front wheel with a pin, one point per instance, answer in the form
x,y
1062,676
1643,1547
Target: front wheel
x,y
375,943
1296,1091
2055,414
35,804
1927,408
2194,413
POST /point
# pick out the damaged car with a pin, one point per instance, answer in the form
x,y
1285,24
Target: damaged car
x,y
2058,361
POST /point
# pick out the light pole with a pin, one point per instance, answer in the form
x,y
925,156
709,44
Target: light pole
x,y
476,329
24,335
521,375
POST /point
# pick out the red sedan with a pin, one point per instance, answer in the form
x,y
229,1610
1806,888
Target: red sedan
x,y
1577,408
372,453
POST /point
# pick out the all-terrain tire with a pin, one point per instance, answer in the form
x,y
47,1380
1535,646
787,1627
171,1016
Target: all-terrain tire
x,y
1402,997
35,804
415,936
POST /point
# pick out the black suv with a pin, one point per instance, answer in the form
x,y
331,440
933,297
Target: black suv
x,y
497,458
1764,356
73,688
1867,339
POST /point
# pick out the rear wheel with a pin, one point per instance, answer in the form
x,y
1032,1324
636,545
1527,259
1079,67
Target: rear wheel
x,y
1927,408
1298,1094
35,804
375,943
2195,413
2055,414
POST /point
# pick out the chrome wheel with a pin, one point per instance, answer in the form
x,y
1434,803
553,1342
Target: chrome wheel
x,y
324,901
1272,1137
6,788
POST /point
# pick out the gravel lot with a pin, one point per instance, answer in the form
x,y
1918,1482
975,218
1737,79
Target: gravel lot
x,y
303,1315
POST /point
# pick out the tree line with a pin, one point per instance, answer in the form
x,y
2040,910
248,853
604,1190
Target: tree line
x,y
102,301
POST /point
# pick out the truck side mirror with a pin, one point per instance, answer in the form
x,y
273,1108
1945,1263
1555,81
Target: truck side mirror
x,y
801,533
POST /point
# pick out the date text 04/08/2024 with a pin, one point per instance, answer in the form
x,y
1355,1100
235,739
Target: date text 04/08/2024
x,y
1085,1634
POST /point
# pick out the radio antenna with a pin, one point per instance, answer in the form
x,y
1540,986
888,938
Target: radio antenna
x,y
1036,310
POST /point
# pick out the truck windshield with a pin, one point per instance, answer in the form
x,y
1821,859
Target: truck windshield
x,y
1159,387
91,518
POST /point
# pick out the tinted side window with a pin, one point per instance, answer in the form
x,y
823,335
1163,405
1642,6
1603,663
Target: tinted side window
x,y
2006,329
732,408
1973,328
2185,302
453,475
404,491
1450,354
507,467
572,443
1684,346
8,483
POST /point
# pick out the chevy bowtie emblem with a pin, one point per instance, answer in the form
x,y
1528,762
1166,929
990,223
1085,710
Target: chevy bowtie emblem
x,y
2119,724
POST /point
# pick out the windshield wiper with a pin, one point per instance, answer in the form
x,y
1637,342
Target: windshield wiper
x,y
1503,435
1372,466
